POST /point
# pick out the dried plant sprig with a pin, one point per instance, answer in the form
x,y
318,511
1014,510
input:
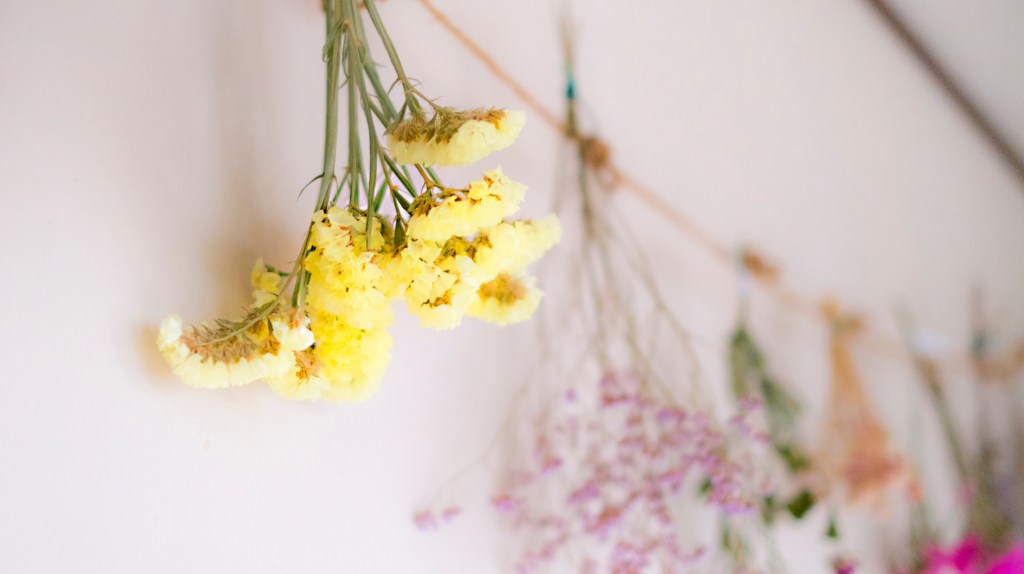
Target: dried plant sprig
x,y
990,517
751,381
854,453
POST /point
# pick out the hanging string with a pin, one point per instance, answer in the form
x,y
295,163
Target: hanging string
x,y
790,298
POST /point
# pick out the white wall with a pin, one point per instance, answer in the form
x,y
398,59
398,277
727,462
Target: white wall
x,y
150,151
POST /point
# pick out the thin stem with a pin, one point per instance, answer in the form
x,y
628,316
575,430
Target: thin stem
x,y
926,370
387,112
393,190
353,126
433,174
333,61
358,56
331,128
390,114
401,175
426,178
389,46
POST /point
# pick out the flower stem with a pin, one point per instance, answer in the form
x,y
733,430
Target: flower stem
x,y
332,58
352,61
358,56
389,46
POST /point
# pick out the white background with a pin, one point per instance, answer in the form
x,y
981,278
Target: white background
x,y
150,151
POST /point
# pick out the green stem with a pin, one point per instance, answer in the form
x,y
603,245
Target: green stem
x,y
433,174
358,56
387,112
333,61
351,61
926,370
331,129
402,176
389,46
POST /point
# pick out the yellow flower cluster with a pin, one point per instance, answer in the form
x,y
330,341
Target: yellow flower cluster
x,y
455,137
339,348
348,309
457,255
457,245
482,276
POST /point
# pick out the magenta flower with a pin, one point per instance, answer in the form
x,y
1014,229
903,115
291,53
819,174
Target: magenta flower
x,y
1012,562
965,558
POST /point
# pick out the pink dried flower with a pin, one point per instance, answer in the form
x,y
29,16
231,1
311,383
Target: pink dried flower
x,y
605,521
588,491
611,458
425,520
504,503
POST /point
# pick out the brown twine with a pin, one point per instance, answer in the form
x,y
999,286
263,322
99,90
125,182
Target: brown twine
x,y
789,297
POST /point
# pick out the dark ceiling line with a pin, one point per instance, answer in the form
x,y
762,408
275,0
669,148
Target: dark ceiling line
x,y
985,126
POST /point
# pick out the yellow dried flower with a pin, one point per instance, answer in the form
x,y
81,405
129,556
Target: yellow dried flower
x,y
417,270
485,204
266,283
454,137
444,280
227,356
348,299
394,273
345,364
352,360
446,310
344,277
303,382
439,285
506,299
512,246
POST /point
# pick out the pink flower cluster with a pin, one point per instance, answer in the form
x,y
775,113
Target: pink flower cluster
x,y
608,465
968,558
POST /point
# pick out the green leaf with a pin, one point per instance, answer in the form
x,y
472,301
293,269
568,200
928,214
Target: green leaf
x,y
705,486
794,458
801,504
832,532
768,508
399,231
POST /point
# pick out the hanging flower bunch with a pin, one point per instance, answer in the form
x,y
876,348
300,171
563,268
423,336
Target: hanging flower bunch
x,y
614,450
621,450
610,473
855,455
989,530
385,228
789,477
